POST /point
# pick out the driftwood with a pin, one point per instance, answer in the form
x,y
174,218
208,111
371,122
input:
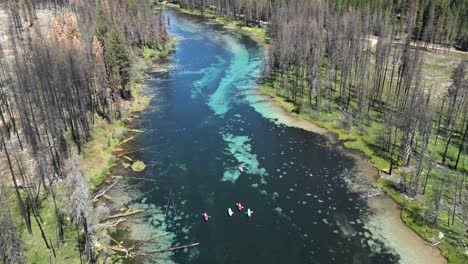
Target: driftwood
x,y
127,213
126,140
433,242
116,223
138,178
135,130
168,249
130,252
105,190
371,192
164,234
139,242
137,150
120,248
127,158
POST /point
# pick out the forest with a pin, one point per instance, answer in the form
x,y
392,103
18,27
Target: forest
x,y
365,71
362,69
58,79
437,22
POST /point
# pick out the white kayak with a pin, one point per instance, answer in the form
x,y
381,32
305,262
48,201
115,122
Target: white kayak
x,y
249,212
230,212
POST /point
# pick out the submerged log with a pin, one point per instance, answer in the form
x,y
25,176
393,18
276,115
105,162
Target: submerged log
x,y
132,252
127,213
105,190
169,249
116,223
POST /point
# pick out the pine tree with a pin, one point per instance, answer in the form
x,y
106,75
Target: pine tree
x,y
118,58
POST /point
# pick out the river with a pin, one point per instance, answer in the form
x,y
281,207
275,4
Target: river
x,y
205,120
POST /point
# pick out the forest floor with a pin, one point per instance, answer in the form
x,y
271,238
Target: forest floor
x,y
42,22
96,160
436,72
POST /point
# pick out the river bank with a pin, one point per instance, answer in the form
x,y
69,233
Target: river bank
x,y
285,116
101,155
385,220
409,211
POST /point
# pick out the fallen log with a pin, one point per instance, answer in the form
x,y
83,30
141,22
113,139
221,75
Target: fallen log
x,y
127,158
127,213
136,130
371,192
137,150
168,249
105,190
116,223
126,140
164,234
139,178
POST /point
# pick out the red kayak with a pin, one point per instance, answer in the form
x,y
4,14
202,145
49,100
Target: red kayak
x,y
239,207
241,169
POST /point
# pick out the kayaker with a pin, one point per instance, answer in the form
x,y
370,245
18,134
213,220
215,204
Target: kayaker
x,y
205,216
239,206
249,213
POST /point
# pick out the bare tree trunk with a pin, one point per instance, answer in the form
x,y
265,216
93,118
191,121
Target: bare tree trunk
x,y
462,145
23,210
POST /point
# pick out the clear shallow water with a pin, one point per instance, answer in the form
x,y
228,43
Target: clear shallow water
x,y
206,120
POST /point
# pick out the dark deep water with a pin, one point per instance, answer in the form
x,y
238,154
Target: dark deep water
x,y
205,120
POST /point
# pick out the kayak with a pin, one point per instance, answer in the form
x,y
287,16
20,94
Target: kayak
x,y
230,212
205,216
249,212
239,207
241,169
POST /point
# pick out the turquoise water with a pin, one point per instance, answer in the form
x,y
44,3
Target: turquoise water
x,y
205,121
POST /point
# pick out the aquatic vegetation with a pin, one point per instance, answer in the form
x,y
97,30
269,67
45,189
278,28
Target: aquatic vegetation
x,y
208,76
138,166
152,227
240,148
238,75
